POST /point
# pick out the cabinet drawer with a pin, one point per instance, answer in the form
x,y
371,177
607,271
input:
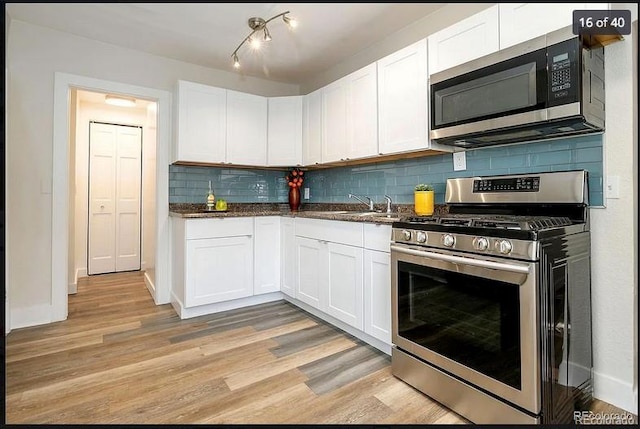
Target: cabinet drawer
x,y
377,237
330,230
218,227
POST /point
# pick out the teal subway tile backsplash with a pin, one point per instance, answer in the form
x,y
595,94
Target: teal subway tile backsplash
x,y
394,178
397,178
191,184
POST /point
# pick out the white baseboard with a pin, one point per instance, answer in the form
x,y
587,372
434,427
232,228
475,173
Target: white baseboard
x,y
615,392
72,288
31,316
7,314
150,286
201,310
81,272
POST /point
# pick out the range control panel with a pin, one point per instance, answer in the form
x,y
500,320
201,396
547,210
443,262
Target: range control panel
x,y
514,184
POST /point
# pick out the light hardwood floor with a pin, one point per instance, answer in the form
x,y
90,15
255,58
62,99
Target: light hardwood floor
x,y
119,358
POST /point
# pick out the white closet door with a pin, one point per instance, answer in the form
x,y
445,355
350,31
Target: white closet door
x,y
128,184
114,198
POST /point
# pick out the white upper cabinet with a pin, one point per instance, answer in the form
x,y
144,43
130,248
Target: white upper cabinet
x,y
201,123
350,116
363,112
520,22
402,100
334,121
246,128
284,135
464,41
312,128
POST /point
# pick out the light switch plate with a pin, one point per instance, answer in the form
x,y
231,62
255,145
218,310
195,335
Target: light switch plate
x,y
613,187
306,193
459,161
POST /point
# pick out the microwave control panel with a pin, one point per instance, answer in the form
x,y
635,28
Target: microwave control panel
x,y
563,73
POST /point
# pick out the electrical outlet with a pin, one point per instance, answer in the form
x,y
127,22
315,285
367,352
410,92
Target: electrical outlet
x,y
306,193
459,161
613,187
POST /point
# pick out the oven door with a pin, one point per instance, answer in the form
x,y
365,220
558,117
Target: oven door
x,y
473,317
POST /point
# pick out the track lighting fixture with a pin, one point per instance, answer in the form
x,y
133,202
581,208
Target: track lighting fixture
x,y
258,25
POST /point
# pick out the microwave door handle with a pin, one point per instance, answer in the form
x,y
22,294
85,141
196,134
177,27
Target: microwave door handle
x,y
459,260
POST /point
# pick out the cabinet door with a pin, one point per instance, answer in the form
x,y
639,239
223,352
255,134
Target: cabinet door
x,y
335,131
202,121
246,129
218,269
363,113
345,284
464,41
310,273
284,131
402,99
377,295
312,129
266,265
287,256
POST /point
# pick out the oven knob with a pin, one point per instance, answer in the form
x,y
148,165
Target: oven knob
x,y
503,246
421,237
481,243
406,235
448,240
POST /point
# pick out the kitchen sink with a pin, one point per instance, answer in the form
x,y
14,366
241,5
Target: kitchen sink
x,y
326,212
347,213
372,214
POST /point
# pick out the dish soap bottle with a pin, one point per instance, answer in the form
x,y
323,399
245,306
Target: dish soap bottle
x,y
211,199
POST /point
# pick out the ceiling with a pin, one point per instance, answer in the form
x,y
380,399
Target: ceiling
x,y
207,33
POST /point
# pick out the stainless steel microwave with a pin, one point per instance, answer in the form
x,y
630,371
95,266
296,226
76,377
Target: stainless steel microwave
x,y
547,87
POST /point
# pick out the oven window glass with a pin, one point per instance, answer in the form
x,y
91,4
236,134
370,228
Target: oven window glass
x,y
471,320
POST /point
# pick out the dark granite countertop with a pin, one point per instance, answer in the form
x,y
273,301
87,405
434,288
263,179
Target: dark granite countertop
x,y
329,211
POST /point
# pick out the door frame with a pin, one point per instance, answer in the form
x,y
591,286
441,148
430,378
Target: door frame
x,y
63,84
140,206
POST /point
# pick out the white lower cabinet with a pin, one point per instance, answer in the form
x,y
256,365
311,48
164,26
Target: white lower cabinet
x,y
216,270
310,270
266,261
329,262
377,281
345,284
377,295
288,256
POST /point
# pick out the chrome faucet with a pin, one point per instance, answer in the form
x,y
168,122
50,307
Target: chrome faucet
x,y
388,200
369,204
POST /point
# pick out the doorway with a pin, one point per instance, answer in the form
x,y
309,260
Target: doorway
x,y
62,208
115,188
112,230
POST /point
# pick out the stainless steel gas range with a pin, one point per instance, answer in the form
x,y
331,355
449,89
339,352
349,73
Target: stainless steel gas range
x,y
491,303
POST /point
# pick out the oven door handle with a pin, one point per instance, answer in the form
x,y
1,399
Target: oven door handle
x,y
459,260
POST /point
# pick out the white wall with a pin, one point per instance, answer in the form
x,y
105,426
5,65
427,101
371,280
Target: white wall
x,y
101,112
441,18
613,230
149,191
34,54
72,286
